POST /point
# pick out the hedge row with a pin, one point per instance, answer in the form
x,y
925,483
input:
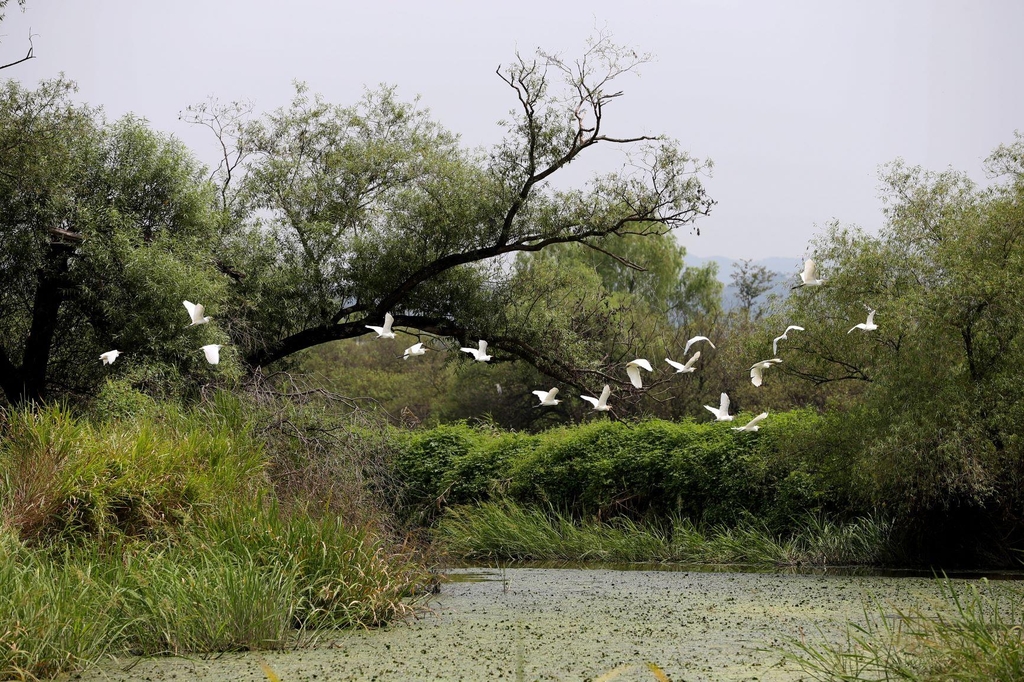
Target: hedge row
x,y
703,471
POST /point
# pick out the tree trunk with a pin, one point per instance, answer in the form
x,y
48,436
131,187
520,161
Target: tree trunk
x,y
50,292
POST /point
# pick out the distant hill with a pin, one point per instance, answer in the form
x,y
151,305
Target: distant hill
x,y
788,270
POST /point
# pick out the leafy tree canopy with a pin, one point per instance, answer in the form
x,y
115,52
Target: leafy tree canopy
x,y
341,214
106,229
941,402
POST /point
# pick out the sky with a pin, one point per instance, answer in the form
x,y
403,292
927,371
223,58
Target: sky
x,y
798,103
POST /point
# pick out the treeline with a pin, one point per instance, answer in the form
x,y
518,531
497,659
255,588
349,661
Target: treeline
x,y
109,226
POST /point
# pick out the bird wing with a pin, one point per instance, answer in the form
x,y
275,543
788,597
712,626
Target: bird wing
x,y
379,330
483,347
793,327
856,326
553,392
692,341
755,375
191,308
641,362
471,351
810,271
212,353
692,361
712,410
871,317
592,400
543,395
634,375
775,343
678,365
388,321
723,405
755,420
604,395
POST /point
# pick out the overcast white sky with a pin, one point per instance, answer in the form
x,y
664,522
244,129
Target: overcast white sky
x,y
796,102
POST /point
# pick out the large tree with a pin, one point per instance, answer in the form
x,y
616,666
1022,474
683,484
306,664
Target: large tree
x,y
347,213
104,229
934,397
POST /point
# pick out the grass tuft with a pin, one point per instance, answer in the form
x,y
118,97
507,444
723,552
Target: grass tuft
x,y
507,531
975,633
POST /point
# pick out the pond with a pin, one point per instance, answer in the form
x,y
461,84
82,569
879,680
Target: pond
x,y
575,624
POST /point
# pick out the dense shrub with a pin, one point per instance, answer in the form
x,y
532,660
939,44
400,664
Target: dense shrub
x,y
702,471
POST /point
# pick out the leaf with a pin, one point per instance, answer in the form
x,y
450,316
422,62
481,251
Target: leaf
x,y
658,673
272,676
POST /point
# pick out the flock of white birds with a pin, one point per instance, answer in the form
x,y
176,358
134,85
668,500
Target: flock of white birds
x,y
809,278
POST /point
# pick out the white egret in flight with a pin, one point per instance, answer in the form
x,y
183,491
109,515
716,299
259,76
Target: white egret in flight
x,y
722,411
196,312
868,326
385,331
752,424
775,343
809,276
479,354
109,357
633,370
695,340
547,398
688,367
414,349
600,404
758,367
212,352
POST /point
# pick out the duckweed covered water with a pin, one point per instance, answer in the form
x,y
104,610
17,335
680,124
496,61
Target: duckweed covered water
x,y
572,624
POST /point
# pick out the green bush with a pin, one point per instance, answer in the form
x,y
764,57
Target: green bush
x,y
64,476
702,471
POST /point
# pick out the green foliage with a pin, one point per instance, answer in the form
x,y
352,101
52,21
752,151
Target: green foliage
x,y
972,634
507,531
62,476
340,214
157,530
107,228
704,472
933,396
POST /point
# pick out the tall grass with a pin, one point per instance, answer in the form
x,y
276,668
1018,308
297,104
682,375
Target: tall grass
x,y
65,478
162,533
508,531
974,633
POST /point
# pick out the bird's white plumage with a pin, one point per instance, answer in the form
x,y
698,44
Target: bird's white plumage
x,y
547,397
722,411
756,377
414,349
868,326
775,343
688,367
600,404
196,313
694,340
633,370
809,277
385,331
212,352
109,357
479,354
752,424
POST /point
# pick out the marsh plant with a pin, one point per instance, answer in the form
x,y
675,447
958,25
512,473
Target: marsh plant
x,y
974,632
507,531
161,533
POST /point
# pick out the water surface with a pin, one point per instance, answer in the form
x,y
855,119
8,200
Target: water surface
x,y
572,624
